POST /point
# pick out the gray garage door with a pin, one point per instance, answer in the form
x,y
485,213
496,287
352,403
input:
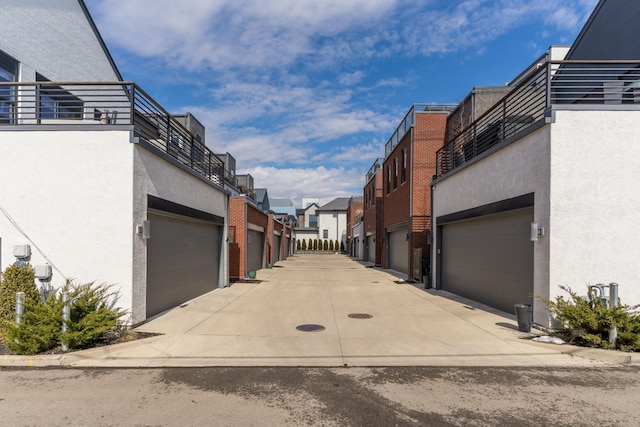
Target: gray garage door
x,y
371,249
277,240
490,259
255,250
398,250
183,257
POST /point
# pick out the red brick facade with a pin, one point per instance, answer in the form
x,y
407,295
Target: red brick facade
x,y
373,220
406,176
241,214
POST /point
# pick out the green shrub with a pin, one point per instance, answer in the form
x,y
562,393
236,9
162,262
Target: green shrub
x,y
588,322
331,245
304,245
39,330
92,314
336,245
315,244
325,245
16,278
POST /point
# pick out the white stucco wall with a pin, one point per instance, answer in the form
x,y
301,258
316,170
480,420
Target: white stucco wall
x,y
154,175
335,222
595,207
71,193
518,169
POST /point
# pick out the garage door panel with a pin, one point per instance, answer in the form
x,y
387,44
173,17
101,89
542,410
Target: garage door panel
x,y
255,250
490,259
182,261
371,249
398,251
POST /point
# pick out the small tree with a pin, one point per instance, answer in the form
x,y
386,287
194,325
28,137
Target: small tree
x,y
315,244
16,278
331,245
298,246
303,245
310,245
326,245
337,245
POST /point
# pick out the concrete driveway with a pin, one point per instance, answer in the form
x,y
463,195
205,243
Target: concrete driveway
x,y
391,324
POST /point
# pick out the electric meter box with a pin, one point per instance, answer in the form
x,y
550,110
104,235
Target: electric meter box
x,y
21,251
43,272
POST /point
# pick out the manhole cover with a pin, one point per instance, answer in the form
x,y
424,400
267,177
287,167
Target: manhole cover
x,y
360,316
310,328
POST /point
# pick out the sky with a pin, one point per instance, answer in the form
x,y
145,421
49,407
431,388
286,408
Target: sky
x,y
305,94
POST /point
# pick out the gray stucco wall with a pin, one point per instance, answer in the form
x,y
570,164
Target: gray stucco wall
x,y
55,39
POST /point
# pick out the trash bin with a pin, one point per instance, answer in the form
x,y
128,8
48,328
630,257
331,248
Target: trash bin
x,y
524,316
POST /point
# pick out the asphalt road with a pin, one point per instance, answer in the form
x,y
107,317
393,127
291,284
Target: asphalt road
x,y
320,397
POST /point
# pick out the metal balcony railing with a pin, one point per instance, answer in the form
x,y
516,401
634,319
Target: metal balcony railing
x,y
80,104
559,84
377,165
409,120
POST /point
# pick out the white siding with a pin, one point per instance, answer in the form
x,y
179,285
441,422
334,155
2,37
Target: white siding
x,y
595,208
71,193
53,38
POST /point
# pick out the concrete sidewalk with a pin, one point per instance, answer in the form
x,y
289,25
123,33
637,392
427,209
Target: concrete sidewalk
x,y
254,324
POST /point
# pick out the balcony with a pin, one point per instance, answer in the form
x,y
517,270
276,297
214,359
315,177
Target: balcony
x,y
568,85
107,106
409,120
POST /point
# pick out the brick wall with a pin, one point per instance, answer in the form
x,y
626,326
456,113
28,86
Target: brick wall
x,y
410,202
237,237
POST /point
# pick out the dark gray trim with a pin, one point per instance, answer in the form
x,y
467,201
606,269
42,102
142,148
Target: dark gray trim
x,y
84,8
519,202
159,204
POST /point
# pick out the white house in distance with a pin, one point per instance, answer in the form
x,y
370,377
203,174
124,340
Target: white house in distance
x,y
541,190
332,220
97,178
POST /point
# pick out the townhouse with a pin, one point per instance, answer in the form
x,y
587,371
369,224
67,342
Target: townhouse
x,y
100,183
540,190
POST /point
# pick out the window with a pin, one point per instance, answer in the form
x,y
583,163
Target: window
x,y
403,176
388,179
57,103
8,73
325,234
395,173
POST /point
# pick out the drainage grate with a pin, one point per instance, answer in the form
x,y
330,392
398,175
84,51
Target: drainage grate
x,y
360,316
310,328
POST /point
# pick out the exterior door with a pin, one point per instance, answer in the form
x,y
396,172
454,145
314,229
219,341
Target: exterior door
x,y
183,260
255,250
490,259
398,251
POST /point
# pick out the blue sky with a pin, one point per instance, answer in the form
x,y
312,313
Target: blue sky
x,y
304,94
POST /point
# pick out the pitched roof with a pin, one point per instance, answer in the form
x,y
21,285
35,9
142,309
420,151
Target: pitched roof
x,y
339,204
610,33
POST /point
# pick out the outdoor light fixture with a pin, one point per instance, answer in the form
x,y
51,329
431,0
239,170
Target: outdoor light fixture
x,y
536,231
144,229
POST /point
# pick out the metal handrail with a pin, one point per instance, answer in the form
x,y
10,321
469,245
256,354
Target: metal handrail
x,y
409,120
561,84
113,104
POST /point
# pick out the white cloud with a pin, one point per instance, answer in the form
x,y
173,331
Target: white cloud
x,y
296,183
226,34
